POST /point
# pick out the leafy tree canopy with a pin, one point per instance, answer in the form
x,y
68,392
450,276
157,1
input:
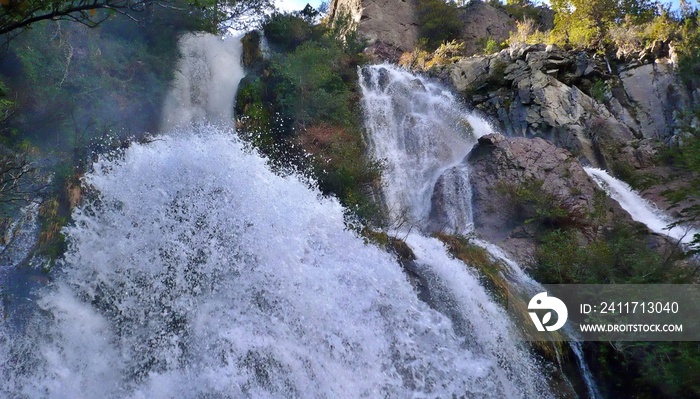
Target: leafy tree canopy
x,y
16,15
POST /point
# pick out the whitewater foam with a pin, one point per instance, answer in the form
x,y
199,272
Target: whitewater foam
x,y
421,133
195,270
639,208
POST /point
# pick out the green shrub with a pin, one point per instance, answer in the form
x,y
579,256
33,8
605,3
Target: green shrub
x,y
531,204
308,87
82,82
598,90
476,257
7,106
521,10
685,157
689,53
646,369
491,46
421,60
301,107
438,22
584,23
662,28
527,33
636,179
620,256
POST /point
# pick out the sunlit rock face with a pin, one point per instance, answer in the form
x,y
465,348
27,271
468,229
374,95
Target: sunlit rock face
x,y
656,97
543,91
501,165
388,25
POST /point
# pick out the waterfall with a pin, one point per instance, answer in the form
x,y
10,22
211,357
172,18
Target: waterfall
x,y
19,238
15,250
205,81
194,271
423,136
639,208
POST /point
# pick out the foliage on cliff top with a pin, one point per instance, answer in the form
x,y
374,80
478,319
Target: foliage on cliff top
x,y
302,104
422,60
608,26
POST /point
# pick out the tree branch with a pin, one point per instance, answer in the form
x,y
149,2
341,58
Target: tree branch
x,y
78,12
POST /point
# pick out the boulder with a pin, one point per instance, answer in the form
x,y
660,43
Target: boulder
x,y
468,74
545,107
491,139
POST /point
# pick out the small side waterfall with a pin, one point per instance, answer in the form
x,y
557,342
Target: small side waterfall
x,y
640,209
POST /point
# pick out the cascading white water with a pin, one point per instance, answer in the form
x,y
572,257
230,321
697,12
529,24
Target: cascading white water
x,y
457,292
639,208
194,271
420,133
423,136
211,275
205,81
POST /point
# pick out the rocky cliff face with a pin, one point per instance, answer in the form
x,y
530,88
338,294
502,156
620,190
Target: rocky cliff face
x,y
558,111
483,21
656,96
561,110
542,91
389,25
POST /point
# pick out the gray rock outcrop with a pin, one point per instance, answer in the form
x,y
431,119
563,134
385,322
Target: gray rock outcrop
x,y
542,91
391,26
655,95
482,21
